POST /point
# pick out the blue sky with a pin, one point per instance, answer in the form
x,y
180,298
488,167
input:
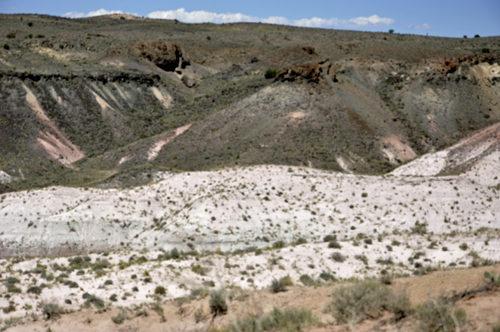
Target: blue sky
x,y
434,17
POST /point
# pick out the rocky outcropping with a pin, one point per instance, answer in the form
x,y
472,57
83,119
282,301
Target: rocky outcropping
x,y
451,64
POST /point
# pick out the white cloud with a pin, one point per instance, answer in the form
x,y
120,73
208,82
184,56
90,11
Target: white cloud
x,y
99,12
202,16
424,26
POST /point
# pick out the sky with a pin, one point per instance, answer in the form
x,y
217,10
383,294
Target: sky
x,y
433,17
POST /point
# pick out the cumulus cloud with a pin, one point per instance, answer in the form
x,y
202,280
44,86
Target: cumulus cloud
x,y
99,12
202,16
424,26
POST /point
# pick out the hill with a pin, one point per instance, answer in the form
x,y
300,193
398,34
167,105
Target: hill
x,y
107,101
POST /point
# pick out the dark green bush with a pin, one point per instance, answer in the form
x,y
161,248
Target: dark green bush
x,y
13,289
270,73
174,253
334,244
338,257
300,240
306,280
11,35
113,297
160,290
10,308
279,244
330,238
327,276
34,290
93,300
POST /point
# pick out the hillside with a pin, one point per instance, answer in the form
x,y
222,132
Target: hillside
x,y
109,101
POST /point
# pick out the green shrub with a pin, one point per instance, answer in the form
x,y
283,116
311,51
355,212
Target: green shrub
x,y
67,301
51,310
419,228
492,278
279,244
35,290
93,300
279,285
118,319
306,280
485,50
160,290
330,238
362,258
40,36
13,289
290,320
464,246
9,309
30,24
300,240
436,316
11,35
355,303
6,46
338,257
334,245
113,297
385,261
270,73
477,36
217,303
198,269
108,282
71,284
327,276
174,253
